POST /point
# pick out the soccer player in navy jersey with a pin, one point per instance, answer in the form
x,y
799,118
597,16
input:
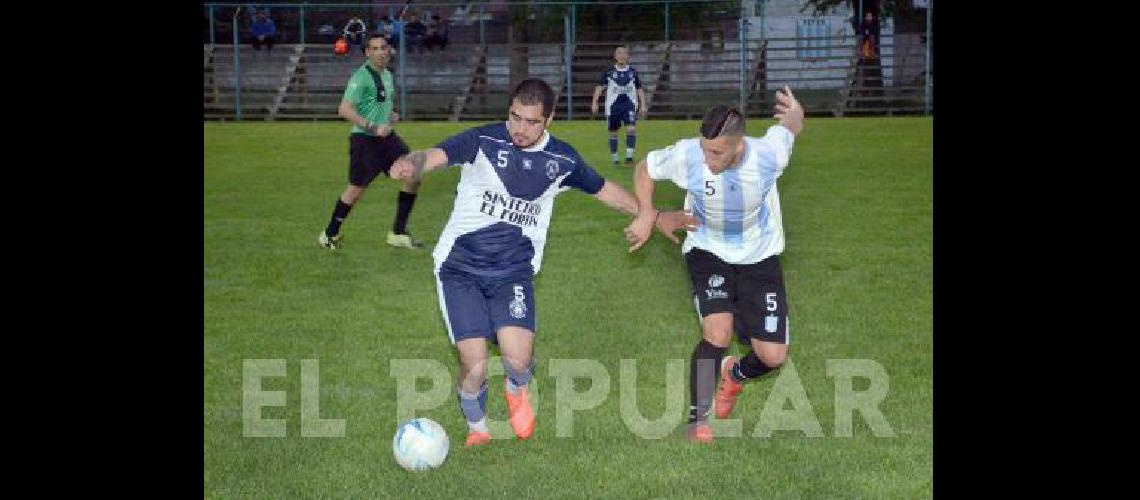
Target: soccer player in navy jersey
x,y
492,245
624,99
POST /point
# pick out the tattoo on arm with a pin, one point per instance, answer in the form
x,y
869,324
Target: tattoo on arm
x,y
418,158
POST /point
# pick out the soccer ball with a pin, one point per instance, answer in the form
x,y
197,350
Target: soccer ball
x,y
420,444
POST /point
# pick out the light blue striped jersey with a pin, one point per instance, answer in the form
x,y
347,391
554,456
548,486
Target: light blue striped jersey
x,y
738,209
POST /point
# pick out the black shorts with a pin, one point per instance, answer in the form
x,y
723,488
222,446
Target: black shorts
x,y
753,293
369,155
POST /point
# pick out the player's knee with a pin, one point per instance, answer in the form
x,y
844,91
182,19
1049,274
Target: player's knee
x,y
773,357
352,194
473,372
631,129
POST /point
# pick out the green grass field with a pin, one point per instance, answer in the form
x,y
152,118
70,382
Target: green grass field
x,y
857,204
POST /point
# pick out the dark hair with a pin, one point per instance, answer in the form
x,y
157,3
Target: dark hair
x,y
534,91
374,35
722,120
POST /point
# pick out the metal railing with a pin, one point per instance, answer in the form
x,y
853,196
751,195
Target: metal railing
x,y
739,62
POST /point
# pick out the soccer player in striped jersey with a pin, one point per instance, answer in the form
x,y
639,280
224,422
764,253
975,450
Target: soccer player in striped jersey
x,y
732,252
492,245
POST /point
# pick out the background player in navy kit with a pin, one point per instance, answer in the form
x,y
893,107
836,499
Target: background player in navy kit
x,y
622,105
493,243
733,257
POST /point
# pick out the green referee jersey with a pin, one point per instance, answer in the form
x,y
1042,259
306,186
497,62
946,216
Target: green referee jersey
x,y
371,93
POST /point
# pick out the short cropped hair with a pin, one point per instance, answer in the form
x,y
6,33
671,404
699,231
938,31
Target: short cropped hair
x,y
722,120
534,91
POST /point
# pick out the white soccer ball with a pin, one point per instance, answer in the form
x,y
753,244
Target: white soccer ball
x,y
420,444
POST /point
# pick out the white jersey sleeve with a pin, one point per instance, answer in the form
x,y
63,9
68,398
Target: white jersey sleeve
x,y
670,163
780,140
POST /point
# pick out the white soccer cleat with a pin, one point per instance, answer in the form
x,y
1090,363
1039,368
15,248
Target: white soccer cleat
x,y
332,243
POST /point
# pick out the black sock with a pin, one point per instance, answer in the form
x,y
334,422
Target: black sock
x,y
404,202
702,379
750,366
340,212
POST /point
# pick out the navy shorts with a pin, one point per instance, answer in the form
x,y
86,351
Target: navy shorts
x,y
622,114
753,293
478,306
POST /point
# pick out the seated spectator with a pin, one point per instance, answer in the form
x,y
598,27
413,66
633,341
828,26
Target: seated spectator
x,y
355,32
327,32
397,28
263,32
436,33
415,31
384,28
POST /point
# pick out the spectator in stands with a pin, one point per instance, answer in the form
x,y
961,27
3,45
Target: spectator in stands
x,y
415,31
436,33
327,32
384,28
355,32
869,37
397,28
263,31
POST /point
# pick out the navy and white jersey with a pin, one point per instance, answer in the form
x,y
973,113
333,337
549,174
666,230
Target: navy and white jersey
x,y
621,87
504,200
738,209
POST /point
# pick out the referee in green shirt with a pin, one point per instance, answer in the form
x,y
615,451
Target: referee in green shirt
x,y
373,145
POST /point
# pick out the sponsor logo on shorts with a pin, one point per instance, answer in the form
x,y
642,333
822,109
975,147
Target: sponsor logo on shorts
x,y
518,304
716,280
716,294
770,323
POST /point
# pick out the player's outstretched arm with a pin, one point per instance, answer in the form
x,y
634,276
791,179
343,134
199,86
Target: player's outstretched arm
x,y
788,111
668,222
617,198
639,231
414,164
671,221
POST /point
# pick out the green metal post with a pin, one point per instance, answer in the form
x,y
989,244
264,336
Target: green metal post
x,y
574,23
403,79
567,58
929,42
237,67
743,57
